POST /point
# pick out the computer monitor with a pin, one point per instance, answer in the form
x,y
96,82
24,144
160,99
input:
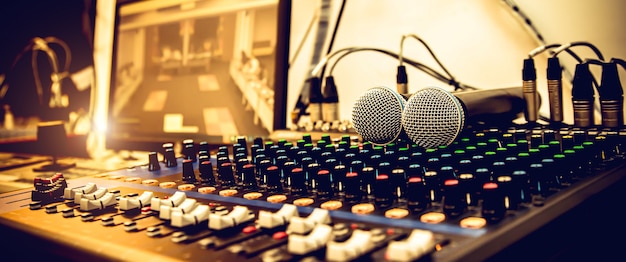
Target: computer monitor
x,y
208,70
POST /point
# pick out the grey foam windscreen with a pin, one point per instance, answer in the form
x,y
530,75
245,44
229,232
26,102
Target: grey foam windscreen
x,y
377,115
433,117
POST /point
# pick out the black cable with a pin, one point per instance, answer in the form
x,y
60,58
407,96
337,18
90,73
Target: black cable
x,y
424,68
579,43
333,36
544,48
432,54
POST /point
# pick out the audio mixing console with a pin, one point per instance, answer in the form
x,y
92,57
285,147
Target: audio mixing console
x,y
332,199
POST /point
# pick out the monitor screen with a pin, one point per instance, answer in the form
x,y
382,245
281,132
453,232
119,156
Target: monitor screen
x,y
208,70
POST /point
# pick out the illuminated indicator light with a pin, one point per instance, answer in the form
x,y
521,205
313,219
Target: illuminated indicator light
x,y
415,180
249,229
279,235
490,185
451,182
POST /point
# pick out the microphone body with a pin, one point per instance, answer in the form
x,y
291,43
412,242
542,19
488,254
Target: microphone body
x,y
434,117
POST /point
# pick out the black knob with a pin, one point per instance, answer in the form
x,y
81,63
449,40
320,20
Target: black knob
x,y
312,170
433,164
553,173
383,195
493,207
521,186
189,150
415,170
165,147
368,177
499,168
298,181
465,166
433,184
537,180
221,159
384,168
203,146
403,162
206,171
170,158
454,202
153,162
398,181
418,196
189,175
226,175
338,176
509,192
353,190
287,175
239,164
274,185
324,184
469,188
242,141
446,172
262,171
247,177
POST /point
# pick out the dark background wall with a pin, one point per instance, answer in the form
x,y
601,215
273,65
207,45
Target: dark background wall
x,y
71,21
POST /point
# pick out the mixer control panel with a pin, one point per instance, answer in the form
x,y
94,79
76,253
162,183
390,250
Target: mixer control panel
x,y
327,200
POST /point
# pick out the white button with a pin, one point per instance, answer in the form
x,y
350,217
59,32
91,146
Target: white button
x,y
238,215
418,244
303,244
359,242
301,225
128,203
196,216
281,217
109,199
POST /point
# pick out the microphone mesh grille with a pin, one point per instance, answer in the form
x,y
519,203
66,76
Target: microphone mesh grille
x,y
377,115
433,117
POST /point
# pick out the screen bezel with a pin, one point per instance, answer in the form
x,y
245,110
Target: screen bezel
x,y
135,143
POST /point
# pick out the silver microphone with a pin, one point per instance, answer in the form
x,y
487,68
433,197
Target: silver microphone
x,y
434,117
377,115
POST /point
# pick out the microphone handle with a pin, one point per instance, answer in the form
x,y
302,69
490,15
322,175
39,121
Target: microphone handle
x,y
497,101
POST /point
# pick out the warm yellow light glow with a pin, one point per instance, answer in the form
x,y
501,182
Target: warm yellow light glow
x,y
103,48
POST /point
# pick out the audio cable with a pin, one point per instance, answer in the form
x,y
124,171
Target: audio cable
x,y
611,93
424,68
402,77
314,91
42,44
554,79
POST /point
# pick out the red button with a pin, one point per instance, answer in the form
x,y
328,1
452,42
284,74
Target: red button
x,y
279,235
249,229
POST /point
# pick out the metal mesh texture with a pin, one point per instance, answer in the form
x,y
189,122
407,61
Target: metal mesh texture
x,y
433,117
377,115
